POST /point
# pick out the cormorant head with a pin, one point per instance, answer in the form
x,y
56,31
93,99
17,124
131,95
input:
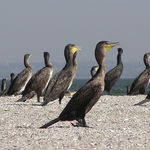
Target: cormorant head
x,y
120,50
26,60
3,80
147,55
106,45
12,75
70,52
102,48
27,56
46,55
46,58
145,58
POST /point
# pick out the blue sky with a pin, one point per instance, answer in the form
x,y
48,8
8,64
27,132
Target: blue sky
x,y
35,26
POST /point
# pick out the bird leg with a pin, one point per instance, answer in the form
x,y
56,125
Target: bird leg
x,y
81,123
38,98
61,97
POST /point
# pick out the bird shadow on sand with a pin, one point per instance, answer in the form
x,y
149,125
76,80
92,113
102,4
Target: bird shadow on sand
x,y
23,104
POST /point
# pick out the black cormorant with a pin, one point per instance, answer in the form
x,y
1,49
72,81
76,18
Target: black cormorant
x,y
85,98
3,85
21,79
140,84
38,82
62,80
4,92
114,74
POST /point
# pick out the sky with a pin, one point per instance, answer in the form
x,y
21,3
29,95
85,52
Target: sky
x,y
35,26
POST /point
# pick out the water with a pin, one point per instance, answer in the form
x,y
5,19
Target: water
x,y
118,89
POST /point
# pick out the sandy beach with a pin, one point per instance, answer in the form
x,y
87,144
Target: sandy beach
x,y
114,124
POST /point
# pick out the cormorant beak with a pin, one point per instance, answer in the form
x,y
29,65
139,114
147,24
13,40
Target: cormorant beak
x,y
76,48
110,45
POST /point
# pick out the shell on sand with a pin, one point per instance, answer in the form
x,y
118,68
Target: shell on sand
x,y
115,124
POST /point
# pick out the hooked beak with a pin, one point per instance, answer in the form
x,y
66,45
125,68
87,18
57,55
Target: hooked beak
x,y
111,45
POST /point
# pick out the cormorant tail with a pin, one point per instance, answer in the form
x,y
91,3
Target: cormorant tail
x,y
22,99
50,123
142,102
25,97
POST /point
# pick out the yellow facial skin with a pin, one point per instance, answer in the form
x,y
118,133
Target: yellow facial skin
x,y
109,46
74,49
96,68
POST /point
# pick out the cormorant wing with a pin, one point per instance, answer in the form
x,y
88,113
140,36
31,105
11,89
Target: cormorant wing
x,y
113,75
38,80
19,81
82,101
58,84
141,81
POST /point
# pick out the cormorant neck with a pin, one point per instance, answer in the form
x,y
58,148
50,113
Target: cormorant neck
x,y
146,62
100,58
12,78
3,86
102,68
71,61
119,61
26,63
47,63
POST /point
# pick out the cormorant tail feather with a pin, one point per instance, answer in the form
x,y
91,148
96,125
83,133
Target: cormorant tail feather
x,y
50,123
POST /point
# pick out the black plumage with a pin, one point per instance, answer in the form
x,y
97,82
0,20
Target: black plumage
x,y
21,79
38,82
85,98
4,92
62,80
141,82
114,74
3,85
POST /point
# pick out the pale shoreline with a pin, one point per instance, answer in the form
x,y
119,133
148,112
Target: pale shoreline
x,y
115,124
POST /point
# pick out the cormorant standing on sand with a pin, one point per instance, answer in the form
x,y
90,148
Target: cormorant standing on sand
x,y
38,82
21,79
140,84
4,92
114,74
3,85
62,80
85,98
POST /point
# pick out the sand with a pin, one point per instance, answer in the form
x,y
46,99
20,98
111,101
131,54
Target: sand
x,y
114,124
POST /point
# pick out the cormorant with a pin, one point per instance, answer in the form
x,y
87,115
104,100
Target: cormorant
x,y
62,80
140,84
114,74
3,85
85,98
38,82
21,79
4,92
